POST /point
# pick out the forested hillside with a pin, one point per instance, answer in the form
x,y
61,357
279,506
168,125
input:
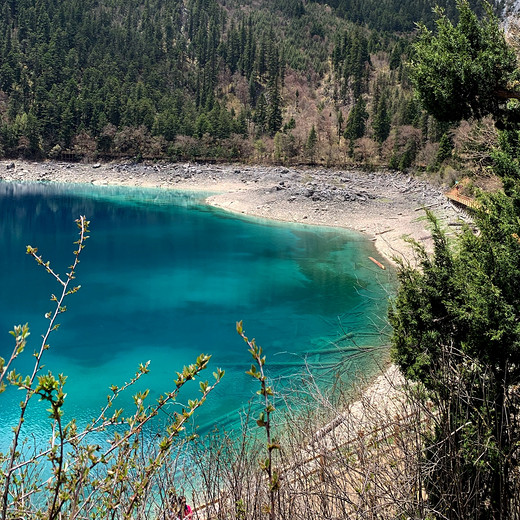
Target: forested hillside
x,y
287,81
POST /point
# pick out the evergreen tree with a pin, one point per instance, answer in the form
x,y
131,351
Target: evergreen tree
x,y
456,332
456,318
79,68
356,121
381,121
445,149
260,116
464,70
311,144
274,110
396,56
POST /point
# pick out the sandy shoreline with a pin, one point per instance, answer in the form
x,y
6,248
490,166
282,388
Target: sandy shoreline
x,y
386,206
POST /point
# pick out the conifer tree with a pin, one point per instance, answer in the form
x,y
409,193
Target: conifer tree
x,y
274,109
445,148
464,70
456,317
356,122
260,116
381,121
456,332
311,144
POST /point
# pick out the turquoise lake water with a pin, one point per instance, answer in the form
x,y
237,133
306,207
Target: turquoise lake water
x,y
164,278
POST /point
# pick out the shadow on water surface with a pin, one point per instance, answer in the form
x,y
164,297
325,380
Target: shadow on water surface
x,y
166,278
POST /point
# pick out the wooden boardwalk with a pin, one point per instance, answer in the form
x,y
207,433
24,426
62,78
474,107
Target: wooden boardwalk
x,y
455,196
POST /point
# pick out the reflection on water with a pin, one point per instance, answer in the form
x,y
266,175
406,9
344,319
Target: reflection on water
x,y
165,278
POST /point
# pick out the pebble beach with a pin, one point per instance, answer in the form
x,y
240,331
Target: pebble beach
x,y
388,207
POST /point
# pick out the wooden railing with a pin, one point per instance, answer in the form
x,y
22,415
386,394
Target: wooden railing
x,y
468,202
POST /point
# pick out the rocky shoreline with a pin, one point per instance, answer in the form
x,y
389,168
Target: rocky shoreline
x,y
387,206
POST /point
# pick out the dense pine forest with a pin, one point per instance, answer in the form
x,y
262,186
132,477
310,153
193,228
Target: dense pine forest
x,y
339,83
289,81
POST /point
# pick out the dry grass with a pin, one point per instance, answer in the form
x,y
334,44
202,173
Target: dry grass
x,y
362,464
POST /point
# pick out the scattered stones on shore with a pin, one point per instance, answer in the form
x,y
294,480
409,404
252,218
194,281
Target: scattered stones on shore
x,y
353,199
359,200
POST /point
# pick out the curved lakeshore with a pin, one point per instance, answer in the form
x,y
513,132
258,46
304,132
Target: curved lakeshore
x,y
386,206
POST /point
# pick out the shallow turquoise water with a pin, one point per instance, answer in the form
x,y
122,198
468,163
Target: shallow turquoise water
x,y
164,278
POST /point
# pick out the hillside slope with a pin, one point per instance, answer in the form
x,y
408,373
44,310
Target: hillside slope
x,y
255,80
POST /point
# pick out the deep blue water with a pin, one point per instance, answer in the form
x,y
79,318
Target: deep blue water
x,y
164,278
